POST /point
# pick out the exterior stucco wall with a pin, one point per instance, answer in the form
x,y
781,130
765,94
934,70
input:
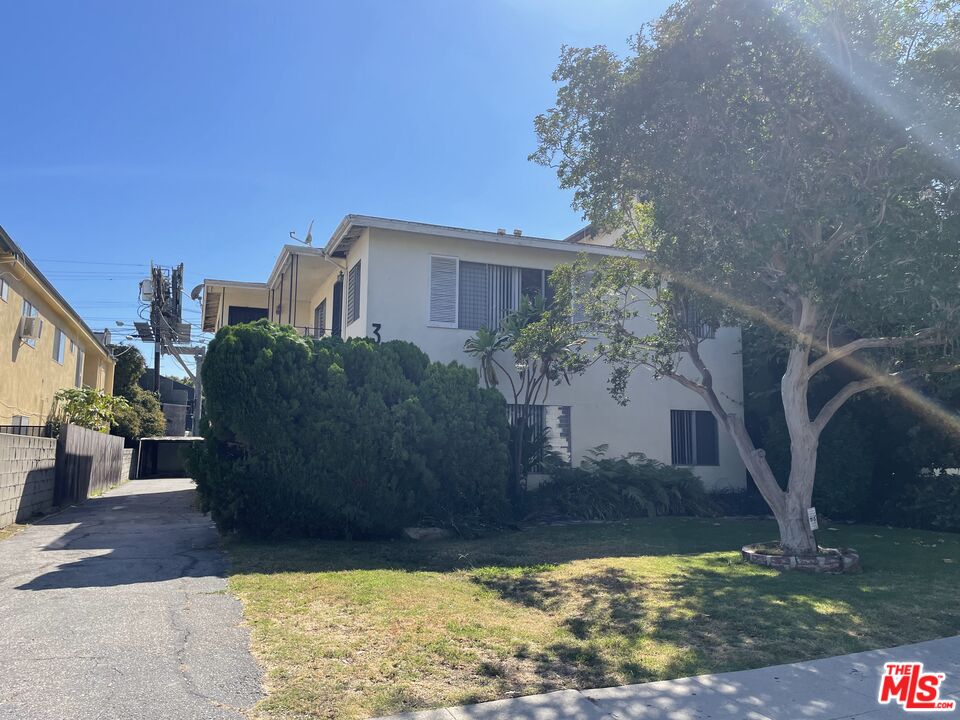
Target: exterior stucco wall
x,y
30,376
397,282
239,297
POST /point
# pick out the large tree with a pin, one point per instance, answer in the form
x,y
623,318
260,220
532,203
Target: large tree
x,y
788,162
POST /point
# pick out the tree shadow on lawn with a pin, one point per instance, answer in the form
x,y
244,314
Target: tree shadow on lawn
x,y
713,614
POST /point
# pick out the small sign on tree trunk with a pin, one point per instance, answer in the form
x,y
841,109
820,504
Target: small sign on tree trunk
x,y
812,518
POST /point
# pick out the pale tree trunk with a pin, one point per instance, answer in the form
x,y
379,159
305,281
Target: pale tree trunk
x,y
795,533
789,507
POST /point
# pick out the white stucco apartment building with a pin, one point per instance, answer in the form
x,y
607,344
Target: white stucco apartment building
x,y
435,286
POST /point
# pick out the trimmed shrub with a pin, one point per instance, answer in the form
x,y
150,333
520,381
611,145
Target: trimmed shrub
x,y
617,488
337,438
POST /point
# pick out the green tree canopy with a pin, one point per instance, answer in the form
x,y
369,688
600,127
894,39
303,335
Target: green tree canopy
x,y
143,415
790,162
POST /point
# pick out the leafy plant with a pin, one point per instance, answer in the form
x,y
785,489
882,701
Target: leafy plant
x,y
143,416
545,349
89,408
626,487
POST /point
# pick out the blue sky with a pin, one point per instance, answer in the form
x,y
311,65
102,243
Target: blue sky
x,y
204,132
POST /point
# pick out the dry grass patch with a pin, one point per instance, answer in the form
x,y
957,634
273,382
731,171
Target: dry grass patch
x,y
356,630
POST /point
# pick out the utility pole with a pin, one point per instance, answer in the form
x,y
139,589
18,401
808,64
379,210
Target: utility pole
x,y
163,292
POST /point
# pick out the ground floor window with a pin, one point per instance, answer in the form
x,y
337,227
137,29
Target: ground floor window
x,y
693,438
554,422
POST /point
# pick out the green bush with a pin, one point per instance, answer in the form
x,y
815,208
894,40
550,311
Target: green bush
x,y
143,416
349,438
617,488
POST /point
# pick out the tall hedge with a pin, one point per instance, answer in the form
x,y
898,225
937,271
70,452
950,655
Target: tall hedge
x,y
337,438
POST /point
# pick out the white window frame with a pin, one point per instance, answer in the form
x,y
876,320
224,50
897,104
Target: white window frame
x,y
4,290
456,292
59,346
33,312
78,378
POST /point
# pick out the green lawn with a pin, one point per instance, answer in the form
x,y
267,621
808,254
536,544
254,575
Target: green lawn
x,y
354,630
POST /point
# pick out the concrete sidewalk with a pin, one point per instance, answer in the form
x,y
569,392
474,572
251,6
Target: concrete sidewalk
x,y
118,608
837,688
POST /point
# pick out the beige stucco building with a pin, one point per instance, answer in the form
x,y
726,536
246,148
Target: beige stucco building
x,y
436,285
46,345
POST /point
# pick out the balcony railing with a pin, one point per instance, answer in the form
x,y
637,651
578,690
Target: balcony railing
x,y
45,431
312,332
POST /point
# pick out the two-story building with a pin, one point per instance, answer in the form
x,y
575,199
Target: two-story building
x,y
436,286
46,345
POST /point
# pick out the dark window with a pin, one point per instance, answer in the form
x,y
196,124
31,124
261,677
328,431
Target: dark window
x,y
336,326
239,314
531,283
694,323
353,293
554,420
320,319
693,438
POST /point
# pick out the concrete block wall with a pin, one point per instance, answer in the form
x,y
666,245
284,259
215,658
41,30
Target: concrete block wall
x,y
128,470
26,476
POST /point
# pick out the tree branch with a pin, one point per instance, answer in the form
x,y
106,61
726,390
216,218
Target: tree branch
x,y
855,388
838,353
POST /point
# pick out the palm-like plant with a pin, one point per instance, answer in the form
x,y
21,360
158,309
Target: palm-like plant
x,y
545,348
484,346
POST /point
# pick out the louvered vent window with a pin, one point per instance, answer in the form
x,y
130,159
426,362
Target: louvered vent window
x,y
353,293
443,290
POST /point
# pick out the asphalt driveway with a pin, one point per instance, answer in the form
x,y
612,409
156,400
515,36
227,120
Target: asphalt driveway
x,y
118,609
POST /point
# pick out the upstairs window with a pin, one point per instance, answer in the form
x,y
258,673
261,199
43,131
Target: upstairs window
x,y
693,438
59,345
30,311
470,295
4,290
78,380
353,293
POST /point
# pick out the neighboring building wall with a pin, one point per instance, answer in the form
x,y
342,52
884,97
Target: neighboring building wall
x,y
30,376
397,275
239,297
26,477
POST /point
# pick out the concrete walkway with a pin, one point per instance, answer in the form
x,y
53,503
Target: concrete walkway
x,y
117,609
836,688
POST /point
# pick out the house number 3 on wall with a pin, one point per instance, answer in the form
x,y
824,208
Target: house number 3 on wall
x,y
376,332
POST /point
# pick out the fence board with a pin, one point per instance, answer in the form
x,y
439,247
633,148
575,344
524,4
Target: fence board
x,y
88,462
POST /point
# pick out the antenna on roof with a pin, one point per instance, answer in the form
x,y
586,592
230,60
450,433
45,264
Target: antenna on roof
x,y
308,240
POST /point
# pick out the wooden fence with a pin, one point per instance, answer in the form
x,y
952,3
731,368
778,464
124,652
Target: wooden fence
x,y
88,462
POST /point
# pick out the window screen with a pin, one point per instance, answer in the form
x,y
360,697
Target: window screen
x,y
474,304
